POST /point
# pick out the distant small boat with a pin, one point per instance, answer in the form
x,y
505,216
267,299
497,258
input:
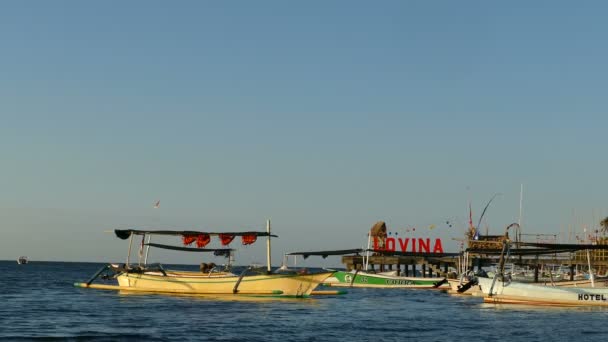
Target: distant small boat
x,y
22,260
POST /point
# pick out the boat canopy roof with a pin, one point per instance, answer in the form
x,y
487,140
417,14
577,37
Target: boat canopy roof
x,y
569,246
413,254
325,254
126,233
216,251
537,248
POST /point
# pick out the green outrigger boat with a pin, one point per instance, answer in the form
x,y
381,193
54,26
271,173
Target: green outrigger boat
x,y
382,280
360,278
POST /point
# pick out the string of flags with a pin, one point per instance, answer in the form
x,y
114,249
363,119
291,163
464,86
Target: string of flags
x,y
203,240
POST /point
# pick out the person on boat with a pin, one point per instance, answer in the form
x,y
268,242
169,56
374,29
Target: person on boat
x,y
207,267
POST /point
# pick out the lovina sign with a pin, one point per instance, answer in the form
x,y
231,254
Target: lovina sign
x,y
412,245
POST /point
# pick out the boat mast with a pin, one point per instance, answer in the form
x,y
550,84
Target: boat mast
x,y
268,246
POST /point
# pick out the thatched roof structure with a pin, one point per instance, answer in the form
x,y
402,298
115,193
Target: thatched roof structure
x,y
379,230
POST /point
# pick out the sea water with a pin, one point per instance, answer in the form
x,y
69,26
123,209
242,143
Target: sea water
x,y
38,302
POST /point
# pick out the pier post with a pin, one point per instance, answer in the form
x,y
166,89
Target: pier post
x,y
536,273
571,272
407,270
398,269
423,270
413,270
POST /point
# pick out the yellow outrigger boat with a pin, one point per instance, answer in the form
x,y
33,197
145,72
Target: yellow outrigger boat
x,y
251,281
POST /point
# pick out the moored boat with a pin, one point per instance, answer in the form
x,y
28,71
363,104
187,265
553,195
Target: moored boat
x,y
361,278
250,281
383,280
497,291
502,289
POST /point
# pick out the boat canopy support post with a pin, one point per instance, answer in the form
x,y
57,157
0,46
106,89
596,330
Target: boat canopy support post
x,y
147,249
590,270
129,252
268,261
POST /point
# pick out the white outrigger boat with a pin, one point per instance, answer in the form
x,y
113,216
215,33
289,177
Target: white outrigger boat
x,y
511,292
156,279
502,290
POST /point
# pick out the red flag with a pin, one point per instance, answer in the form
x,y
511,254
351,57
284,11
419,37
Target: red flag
x,y
249,239
202,240
226,239
188,239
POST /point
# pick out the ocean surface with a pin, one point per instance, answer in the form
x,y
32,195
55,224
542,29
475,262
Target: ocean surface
x,y
38,302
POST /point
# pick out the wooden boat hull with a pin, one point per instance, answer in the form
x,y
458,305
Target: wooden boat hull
x,y
365,279
522,293
290,285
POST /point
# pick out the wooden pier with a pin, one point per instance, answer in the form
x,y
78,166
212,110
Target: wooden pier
x,y
482,251
479,257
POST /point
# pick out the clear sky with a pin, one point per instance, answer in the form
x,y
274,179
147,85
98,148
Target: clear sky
x,y
324,116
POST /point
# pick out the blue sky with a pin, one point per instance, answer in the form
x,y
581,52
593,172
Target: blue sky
x,y
322,116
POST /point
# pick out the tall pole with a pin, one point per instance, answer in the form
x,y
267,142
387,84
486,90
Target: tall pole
x,y
369,240
268,246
